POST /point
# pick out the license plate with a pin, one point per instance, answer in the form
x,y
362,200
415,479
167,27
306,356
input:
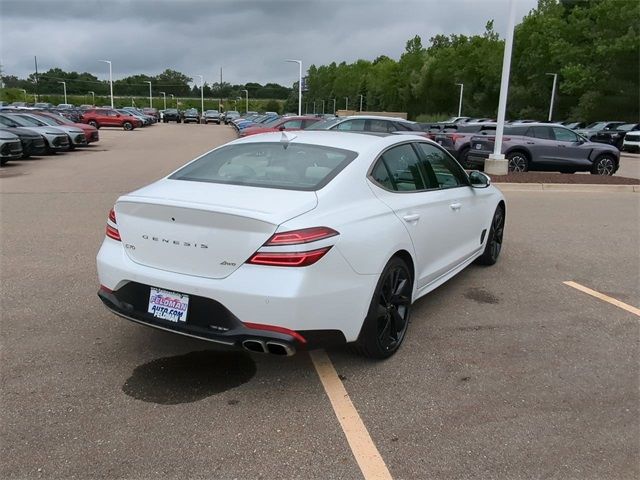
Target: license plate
x,y
478,146
171,306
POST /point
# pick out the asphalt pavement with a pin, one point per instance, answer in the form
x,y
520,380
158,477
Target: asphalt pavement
x,y
506,372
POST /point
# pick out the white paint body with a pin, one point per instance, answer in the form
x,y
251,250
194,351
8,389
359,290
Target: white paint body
x,y
235,221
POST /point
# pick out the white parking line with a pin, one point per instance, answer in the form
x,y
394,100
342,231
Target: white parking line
x,y
364,450
605,298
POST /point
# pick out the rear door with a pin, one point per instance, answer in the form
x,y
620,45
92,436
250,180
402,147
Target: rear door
x,y
541,142
429,213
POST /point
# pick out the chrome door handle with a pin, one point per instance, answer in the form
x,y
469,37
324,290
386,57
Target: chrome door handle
x,y
413,217
456,206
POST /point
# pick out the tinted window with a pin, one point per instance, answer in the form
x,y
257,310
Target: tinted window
x,y
293,124
271,165
441,171
564,135
402,169
523,130
352,125
379,126
381,175
540,132
308,122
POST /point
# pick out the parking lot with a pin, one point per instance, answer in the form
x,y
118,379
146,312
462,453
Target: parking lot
x,y
507,372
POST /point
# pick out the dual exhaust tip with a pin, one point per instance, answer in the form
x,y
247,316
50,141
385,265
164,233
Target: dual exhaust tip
x,y
274,348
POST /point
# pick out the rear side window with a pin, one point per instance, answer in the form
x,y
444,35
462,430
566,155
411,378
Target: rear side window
x,y
399,169
540,132
352,125
379,126
269,165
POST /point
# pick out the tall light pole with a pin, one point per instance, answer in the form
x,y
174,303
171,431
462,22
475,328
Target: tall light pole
x,y
323,107
461,85
110,79
334,106
64,86
299,62
164,97
25,94
361,102
93,98
171,94
553,93
246,105
201,94
496,163
150,94
346,103
314,107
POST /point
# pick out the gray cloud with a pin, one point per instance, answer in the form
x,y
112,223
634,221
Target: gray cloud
x,y
249,39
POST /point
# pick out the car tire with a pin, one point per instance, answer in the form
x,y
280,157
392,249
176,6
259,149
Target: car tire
x,y
518,161
127,126
93,123
604,165
494,239
463,159
387,320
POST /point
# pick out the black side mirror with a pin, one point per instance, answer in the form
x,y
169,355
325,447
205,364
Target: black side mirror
x,y
479,179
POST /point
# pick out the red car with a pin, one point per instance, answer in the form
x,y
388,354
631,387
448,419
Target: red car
x,y
106,117
90,132
279,124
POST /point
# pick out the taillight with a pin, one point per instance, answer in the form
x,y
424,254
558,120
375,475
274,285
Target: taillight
x,y
112,226
296,237
293,258
288,259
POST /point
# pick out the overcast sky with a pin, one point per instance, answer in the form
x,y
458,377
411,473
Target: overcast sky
x,y
249,39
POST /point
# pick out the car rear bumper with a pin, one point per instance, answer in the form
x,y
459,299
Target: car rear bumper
x,y
325,297
210,321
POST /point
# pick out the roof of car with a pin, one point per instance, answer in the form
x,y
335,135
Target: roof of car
x,y
375,117
534,124
356,141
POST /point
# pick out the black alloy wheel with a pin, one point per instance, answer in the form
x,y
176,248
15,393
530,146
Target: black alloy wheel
x,y
386,324
518,162
604,165
494,241
127,126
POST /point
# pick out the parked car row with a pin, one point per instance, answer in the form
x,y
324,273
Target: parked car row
x,y
29,132
526,145
127,118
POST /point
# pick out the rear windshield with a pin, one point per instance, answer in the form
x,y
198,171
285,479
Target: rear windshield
x,y
269,165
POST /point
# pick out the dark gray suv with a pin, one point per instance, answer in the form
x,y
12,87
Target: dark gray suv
x,y
547,147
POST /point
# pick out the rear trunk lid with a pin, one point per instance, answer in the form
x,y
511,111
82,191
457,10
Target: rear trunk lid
x,y
203,229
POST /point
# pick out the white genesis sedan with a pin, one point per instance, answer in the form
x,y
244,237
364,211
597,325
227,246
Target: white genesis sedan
x,y
280,242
